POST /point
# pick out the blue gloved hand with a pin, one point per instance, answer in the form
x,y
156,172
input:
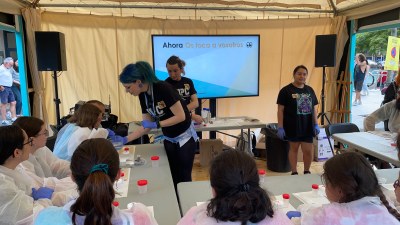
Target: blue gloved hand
x,y
291,214
281,133
316,129
42,192
117,138
149,124
110,133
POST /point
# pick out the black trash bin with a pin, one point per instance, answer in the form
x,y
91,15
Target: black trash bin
x,y
277,150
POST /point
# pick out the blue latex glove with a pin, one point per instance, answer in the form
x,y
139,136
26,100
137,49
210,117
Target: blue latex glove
x,y
117,138
110,133
149,124
42,192
281,133
291,214
316,129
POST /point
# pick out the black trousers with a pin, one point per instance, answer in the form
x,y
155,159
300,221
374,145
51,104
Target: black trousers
x,y
180,160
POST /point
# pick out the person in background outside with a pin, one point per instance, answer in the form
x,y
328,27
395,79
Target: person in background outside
x,y
184,86
360,70
84,124
6,94
19,202
365,90
237,195
391,94
163,107
297,118
389,111
355,195
95,167
16,88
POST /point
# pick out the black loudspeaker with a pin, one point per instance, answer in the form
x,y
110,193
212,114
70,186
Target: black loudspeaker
x,y
325,50
50,51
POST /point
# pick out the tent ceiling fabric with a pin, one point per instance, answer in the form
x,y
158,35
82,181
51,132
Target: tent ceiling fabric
x,y
203,9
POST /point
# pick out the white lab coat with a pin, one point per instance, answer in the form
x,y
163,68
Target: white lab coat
x,y
387,112
16,204
72,137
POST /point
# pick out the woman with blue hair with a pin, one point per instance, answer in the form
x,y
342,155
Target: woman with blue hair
x,y
162,107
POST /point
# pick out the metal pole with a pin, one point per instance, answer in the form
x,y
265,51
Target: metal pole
x,y
57,100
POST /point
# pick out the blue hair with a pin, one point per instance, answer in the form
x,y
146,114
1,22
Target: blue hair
x,y
140,70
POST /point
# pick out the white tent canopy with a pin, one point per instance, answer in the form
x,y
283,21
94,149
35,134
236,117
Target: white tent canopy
x,y
212,9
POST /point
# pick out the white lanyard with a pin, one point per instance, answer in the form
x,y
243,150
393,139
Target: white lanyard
x,y
152,111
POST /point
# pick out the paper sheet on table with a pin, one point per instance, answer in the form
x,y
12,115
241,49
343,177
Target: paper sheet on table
x,y
122,185
277,202
310,198
388,186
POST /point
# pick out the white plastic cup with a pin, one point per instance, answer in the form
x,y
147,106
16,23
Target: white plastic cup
x,y
142,186
315,189
285,198
117,145
155,159
261,173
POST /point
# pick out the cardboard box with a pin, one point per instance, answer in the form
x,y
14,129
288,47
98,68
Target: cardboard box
x,y
209,148
322,150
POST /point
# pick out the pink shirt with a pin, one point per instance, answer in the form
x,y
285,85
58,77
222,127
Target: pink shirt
x,y
197,215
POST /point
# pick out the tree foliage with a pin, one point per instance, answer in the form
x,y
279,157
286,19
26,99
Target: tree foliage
x,y
373,43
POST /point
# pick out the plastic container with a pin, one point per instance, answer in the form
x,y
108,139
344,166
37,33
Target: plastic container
x,y
126,150
206,115
262,174
142,186
118,145
155,159
315,189
285,198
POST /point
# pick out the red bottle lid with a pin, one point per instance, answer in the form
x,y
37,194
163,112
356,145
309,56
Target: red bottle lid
x,y
285,196
122,174
126,149
115,203
315,186
261,172
142,182
155,157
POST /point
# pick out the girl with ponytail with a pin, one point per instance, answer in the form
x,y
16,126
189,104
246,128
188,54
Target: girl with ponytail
x,y
237,196
355,195
95,167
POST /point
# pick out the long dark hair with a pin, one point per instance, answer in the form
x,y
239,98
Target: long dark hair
x,y
11,138
238,195
96,188
353,175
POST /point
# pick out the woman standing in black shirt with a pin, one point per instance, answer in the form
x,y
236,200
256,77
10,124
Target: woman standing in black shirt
x,y
297,118
162,107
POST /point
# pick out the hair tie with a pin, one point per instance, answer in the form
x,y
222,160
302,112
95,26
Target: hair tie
x,y
244,187
99,167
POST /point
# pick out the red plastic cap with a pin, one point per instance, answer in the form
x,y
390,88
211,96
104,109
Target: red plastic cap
x,y
315,186
115,203
122,174
155,157
261,172
142,182
126,149
285,196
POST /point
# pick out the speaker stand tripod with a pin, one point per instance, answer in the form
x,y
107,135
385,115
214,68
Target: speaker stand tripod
x,y
322,114
57,100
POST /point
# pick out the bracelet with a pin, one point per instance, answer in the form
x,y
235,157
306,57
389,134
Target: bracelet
x,y
158,123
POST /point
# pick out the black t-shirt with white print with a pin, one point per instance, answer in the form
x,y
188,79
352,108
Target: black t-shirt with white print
x,y
299,109
165,96
184,87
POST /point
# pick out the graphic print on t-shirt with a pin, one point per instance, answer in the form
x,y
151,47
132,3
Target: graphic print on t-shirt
x,y
304,104
184,92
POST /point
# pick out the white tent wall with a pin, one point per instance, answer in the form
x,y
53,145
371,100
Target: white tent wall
x,y
99,47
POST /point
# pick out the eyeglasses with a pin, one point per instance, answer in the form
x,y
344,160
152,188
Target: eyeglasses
x,y
45,133
30,142
396,184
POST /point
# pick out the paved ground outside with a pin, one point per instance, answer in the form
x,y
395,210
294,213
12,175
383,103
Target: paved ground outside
x,y
370,103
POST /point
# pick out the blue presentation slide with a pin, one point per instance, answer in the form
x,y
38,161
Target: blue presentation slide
x,y
220,66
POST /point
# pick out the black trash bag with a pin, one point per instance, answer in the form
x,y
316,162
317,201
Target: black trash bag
x,y
277,150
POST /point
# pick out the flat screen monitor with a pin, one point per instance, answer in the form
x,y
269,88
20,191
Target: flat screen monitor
x,y
220,66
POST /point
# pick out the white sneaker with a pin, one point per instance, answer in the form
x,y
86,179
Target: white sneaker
x,y
8,115
355,103
13,119
4,122
359,102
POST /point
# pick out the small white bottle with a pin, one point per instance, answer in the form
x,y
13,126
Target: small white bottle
x,y
285,198
315,189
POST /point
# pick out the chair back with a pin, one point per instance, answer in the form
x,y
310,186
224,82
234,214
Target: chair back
x,y
338,128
